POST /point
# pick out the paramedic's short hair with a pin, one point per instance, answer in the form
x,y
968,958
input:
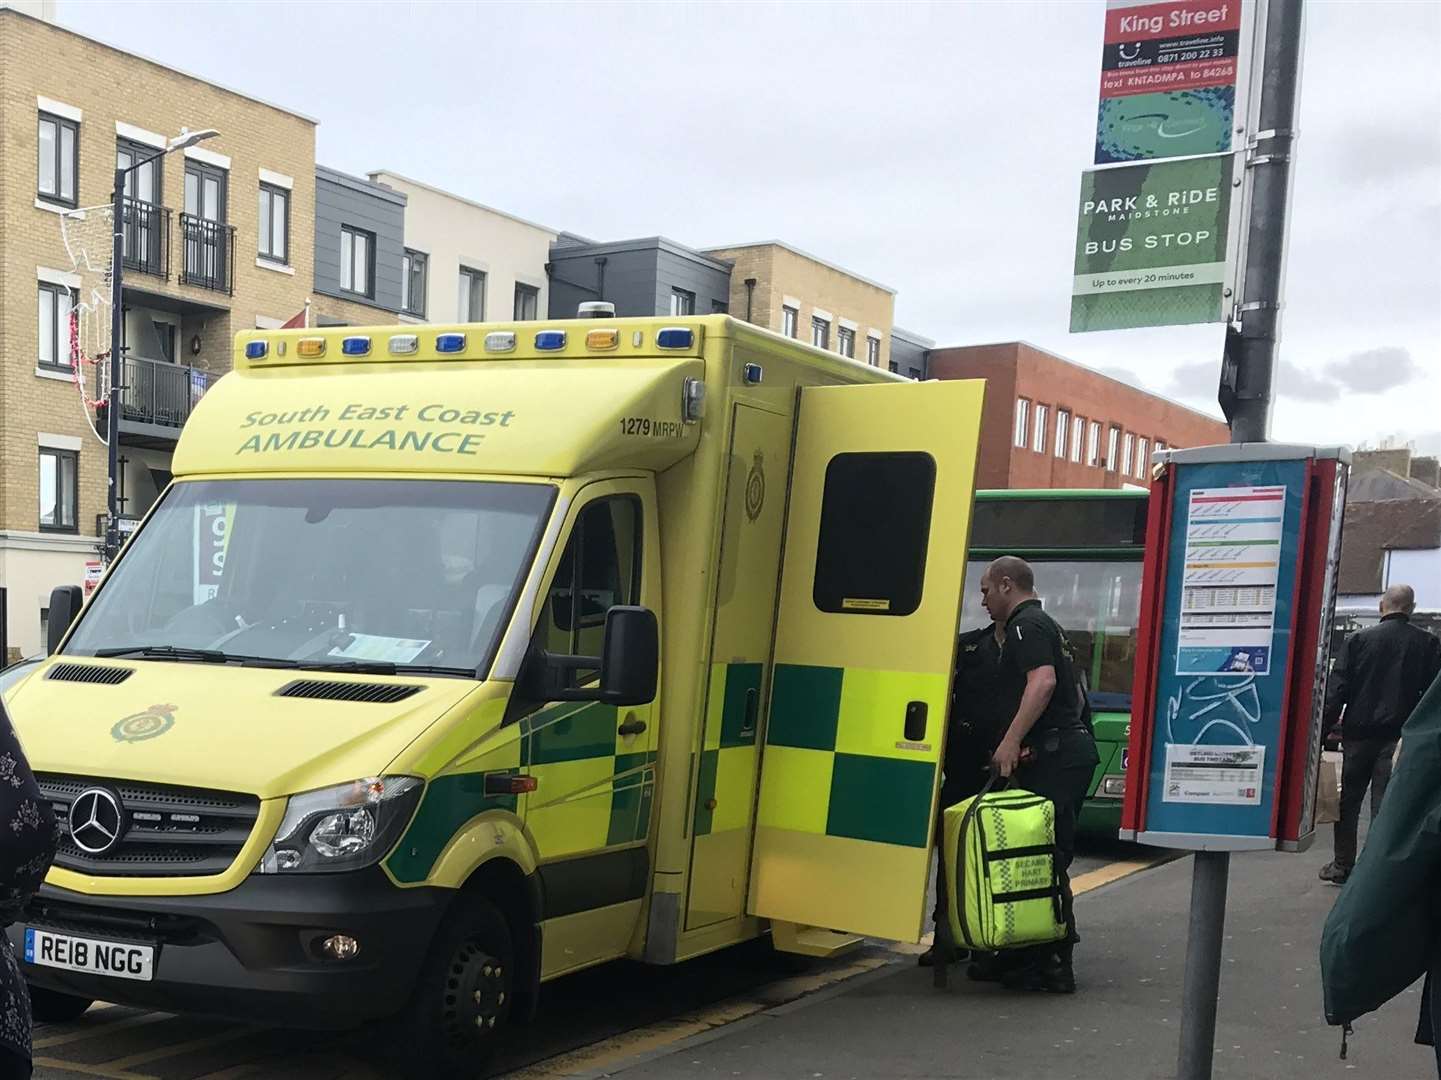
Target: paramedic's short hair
x,y
1400,598
1017,569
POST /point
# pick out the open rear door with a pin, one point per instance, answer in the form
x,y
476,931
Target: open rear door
x,y
875,552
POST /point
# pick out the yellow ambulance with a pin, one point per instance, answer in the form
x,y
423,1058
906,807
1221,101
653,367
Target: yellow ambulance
x,y
458,658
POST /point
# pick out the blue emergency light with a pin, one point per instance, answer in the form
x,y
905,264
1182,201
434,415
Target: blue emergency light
x,y
256,350
355,346
550,340
449,343
675,337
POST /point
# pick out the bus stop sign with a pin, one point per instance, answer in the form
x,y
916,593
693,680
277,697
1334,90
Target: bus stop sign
x,y
1242,548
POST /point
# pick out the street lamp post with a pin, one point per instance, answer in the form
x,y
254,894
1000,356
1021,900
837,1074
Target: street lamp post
x,y
117,316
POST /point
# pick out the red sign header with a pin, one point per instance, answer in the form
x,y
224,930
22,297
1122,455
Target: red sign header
x,y
1178,18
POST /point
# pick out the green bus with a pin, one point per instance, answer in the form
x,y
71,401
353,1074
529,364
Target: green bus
x,y
1086,548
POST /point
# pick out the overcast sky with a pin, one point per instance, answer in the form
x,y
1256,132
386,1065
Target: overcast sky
x,y
935,148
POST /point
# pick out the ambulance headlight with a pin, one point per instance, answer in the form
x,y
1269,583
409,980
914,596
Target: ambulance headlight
x,y
345,827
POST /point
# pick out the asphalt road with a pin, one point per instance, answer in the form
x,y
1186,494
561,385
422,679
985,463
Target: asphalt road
x,y
602,1014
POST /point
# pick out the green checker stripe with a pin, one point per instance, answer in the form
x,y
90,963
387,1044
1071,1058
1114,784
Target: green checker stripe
x,y
882,799
449,802
568,732
805,706
631,799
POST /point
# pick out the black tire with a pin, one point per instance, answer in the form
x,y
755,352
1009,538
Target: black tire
x,y
460,1010
53,1007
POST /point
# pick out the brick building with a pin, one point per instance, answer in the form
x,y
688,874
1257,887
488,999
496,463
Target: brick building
x,y
1050,423
200,264
804,297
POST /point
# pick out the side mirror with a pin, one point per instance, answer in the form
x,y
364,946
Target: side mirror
x,y
65,603
630,667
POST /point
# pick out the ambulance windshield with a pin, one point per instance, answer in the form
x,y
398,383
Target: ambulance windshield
x,y
328,574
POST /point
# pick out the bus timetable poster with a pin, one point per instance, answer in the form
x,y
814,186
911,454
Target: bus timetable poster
x,y
1232,561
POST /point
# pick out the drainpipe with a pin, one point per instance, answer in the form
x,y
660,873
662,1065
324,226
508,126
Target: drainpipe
x,y
600,276
750,298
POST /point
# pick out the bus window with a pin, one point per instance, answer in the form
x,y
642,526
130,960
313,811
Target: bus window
x,y
1097,603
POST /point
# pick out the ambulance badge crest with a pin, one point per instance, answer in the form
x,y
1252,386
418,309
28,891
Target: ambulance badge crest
x,y
756,487
142,726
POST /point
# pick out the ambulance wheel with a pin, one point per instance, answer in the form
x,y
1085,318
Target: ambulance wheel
x,y
462,999
53,1007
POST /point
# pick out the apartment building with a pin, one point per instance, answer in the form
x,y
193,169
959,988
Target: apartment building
x,y
217,238
467,262
775,285
645,276
360,271
1051,423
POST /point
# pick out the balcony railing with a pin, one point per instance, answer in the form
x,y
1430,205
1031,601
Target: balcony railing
x,y
147,238
208,249
158,394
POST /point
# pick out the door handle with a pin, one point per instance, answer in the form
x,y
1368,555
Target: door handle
x,y
915,721
632,726
753,706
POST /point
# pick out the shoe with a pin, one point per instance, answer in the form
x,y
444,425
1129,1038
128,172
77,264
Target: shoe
x,y
1054,978
1334,874
986,968
957,956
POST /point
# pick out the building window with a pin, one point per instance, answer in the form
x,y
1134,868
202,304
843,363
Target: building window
x,y
682,302
274,224
1023,421
527,301
790,319
470,300
1063,431
59,494
413,268
820,333
719,307
915,374
56,303
1143,457
1128,452
59,159
861,489
1043,418
142,183
1160,445
1093,444
895,367
1078,438
873,351
357,261
846,342
1113,439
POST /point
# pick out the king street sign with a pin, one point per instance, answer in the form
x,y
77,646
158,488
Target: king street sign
x,y
1155,245
1174,78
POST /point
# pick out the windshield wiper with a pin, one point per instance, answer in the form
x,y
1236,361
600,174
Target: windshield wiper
x,y
185,653
383,667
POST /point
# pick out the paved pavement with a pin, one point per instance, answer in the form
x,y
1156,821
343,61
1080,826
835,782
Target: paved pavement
x,y
1124,1022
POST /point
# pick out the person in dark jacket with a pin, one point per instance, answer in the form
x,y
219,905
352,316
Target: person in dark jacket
x,y
28,838
1378,679
979,714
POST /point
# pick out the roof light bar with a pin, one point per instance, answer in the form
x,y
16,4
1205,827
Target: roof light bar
x,y
404,344
310,348
256,350
359,345
500,341
449,343
550,340
675,337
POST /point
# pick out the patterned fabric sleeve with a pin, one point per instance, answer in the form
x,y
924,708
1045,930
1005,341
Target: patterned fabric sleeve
x,y
28,837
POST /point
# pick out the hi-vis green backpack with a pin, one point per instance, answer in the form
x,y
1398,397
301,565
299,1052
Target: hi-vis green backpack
x,y
1002,884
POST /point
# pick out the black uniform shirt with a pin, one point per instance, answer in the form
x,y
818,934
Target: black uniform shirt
x,y
1034,640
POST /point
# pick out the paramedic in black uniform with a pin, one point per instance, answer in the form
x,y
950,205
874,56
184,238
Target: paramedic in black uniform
x,y
1047,748
978,717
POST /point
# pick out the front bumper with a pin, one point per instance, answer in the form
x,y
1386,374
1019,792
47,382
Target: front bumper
x,y
254,953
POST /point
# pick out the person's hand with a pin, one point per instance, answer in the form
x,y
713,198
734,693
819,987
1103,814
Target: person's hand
x,y
1007,756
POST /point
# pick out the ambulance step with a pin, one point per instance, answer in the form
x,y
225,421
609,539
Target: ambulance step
x,y
812,940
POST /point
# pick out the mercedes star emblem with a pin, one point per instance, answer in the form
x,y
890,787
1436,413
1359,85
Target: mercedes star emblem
x,y
97,821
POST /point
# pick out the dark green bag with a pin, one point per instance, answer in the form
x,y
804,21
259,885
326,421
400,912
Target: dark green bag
x,y
1378,937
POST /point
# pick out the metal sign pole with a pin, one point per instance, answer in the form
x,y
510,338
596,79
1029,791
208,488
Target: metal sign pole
x,y
1245,396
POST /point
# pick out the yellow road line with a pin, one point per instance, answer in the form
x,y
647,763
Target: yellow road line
x,y
1115,871
176,1049
97,1028
89,1070
659,1035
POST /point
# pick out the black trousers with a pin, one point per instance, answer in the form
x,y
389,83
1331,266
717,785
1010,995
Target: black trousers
x,y
1364,763
13,1066
1063,775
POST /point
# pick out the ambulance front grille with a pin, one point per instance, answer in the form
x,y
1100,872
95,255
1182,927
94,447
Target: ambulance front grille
x,y
173,831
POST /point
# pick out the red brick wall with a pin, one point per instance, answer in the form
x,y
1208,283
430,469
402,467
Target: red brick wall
x,y
1017,370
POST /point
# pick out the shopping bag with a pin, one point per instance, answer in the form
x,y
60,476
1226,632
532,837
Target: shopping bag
x,y
1328,792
